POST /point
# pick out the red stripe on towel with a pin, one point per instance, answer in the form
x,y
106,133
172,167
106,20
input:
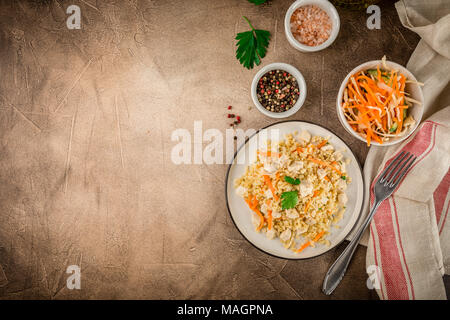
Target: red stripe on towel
x,y
421,157
437,123
376,259
393,274
417,146
439,196
401,247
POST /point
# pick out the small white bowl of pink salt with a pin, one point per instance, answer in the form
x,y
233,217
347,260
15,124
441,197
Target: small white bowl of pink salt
x,y
311,25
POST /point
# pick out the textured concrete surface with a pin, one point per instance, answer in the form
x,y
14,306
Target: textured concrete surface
x,y
86,118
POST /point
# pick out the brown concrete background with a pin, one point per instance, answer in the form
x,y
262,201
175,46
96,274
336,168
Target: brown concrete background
x,y
86,118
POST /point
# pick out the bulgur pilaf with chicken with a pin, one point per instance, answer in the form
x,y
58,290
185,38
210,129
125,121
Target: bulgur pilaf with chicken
x,y
296,190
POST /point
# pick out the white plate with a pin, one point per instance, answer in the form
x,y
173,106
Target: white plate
x,y
241,214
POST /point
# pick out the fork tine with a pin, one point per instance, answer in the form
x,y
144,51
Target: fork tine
x,y
394,172
391,172
394,181
385,171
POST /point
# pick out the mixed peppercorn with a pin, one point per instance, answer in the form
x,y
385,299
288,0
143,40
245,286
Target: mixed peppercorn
x,y
233,116
277,91
236,119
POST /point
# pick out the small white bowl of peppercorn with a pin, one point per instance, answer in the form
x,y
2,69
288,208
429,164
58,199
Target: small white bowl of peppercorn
x,y
278,90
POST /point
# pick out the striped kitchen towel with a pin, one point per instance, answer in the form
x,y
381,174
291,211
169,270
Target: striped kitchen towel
x,y
409,244
409,239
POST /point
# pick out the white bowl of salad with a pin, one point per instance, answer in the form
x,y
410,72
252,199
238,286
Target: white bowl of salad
x,y
380,102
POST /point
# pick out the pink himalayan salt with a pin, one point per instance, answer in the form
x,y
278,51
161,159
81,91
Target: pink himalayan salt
x,y
310,25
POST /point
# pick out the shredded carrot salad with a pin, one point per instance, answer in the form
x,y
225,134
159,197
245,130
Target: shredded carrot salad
x,y
376,104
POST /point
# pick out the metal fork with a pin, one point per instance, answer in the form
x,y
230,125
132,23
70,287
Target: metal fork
x,y
384,187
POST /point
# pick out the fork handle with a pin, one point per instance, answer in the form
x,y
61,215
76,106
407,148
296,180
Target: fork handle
x,y
339,267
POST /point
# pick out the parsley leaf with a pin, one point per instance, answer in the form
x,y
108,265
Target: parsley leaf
x,y
257,2
252,46
289,199
291,180
343,177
